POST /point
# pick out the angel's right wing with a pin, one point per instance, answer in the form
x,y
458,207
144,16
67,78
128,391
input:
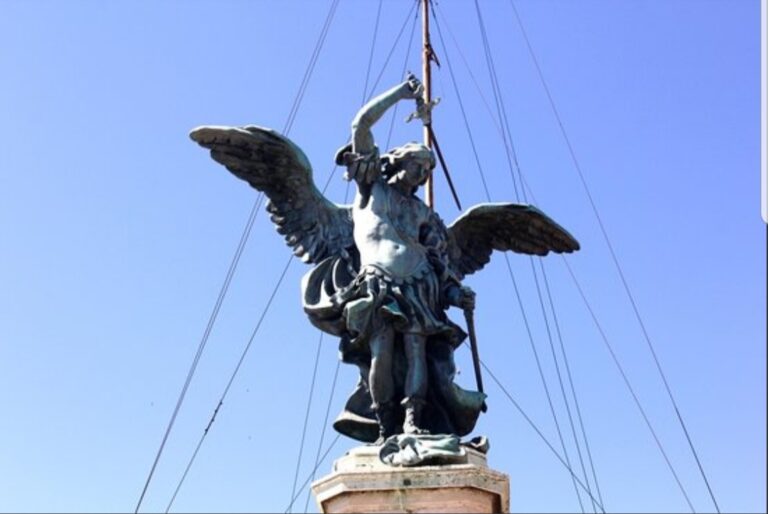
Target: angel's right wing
x,y
313,226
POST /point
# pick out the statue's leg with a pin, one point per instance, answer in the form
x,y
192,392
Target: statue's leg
x,y
380,377
380,381
415,382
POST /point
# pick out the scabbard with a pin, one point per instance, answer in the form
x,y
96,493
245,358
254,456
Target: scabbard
x,y
469,316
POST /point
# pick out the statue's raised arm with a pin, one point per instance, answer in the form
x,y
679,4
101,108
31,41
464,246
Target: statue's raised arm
x,y
361,156
362,138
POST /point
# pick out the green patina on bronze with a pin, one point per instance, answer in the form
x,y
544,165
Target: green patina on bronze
x,y
385,270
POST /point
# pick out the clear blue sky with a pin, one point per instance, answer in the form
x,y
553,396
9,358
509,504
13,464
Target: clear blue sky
x,y
117,232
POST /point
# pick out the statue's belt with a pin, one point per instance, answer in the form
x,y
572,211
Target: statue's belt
x,y
420,272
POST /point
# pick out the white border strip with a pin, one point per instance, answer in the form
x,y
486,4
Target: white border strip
x,y
764,108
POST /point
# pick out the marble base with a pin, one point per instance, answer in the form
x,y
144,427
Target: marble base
x,y
360,482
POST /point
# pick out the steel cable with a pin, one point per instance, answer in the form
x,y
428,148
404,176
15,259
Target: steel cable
x,y
231,380
538,432
306,482
612,252
392,50
310,68
203,341
629,386
402,74
497,97
319,344
507,136
570,381
294,110
322,433
306,414
541,375
499,105
282,276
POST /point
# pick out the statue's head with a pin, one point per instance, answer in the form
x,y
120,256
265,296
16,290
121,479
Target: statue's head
x,y
409,165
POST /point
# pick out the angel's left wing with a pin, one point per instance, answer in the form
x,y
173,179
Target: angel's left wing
x,y
312,225
503,226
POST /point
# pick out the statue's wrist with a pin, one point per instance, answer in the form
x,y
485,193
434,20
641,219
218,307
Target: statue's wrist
x,y
405,91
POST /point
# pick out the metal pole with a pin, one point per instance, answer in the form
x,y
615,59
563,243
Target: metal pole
x,y
426,55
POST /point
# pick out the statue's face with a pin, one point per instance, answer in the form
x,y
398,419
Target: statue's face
x,y
414,163
415,172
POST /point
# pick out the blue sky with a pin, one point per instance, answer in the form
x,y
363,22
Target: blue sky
x,y
118,231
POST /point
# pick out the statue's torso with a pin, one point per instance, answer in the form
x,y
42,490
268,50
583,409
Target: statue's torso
x,y
386,231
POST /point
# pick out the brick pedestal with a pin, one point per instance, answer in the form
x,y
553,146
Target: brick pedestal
x,y
361,483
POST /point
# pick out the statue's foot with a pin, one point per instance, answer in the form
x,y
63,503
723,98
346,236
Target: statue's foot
x,y
385,415
413,410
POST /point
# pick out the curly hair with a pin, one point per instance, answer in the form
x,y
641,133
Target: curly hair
x,y
392,161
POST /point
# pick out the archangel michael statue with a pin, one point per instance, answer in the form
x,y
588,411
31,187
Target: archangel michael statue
x,y
386,268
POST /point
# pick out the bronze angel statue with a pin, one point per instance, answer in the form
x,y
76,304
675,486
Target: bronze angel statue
x,y
386,268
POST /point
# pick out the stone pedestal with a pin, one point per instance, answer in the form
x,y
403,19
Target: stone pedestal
x,y
361,483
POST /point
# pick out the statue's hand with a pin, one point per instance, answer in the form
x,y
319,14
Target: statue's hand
x,y
361,168
466,298
413,87
462,297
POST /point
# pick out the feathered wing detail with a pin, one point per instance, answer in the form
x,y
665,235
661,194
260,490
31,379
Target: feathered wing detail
x,y
312,225
503,226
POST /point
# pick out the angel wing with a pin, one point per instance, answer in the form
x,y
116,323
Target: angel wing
x,y
503,226
312,225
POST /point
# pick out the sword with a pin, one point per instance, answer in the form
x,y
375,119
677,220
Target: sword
x,y
424,113
469,316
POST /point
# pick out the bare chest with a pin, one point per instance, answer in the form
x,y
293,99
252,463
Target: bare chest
x,y
389,210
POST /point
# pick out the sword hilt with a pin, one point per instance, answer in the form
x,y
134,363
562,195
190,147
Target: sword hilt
x,y
423,111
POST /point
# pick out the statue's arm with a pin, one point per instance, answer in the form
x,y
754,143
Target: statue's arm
x,y
361,157
362,137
